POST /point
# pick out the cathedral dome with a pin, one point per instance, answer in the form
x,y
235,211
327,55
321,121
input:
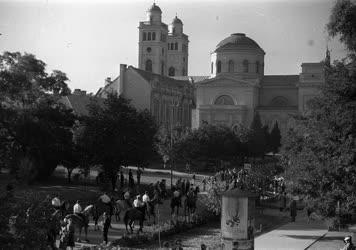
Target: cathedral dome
x,y
155,8
237,41
176,20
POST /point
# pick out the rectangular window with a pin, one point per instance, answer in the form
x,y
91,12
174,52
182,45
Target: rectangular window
x,y
149,36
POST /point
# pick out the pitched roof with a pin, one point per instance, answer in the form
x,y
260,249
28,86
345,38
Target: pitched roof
x,y
79,103
280,79
192,79
149,76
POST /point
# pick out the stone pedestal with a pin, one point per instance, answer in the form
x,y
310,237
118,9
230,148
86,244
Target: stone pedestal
x,y
352,230
238,219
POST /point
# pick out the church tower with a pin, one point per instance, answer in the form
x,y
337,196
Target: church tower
x,y
177,49
152,43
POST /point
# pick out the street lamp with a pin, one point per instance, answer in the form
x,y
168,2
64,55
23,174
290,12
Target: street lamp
x,y
173,105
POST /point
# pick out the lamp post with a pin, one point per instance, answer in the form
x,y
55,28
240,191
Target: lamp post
x,y
173,105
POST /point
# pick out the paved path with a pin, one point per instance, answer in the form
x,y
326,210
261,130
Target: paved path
x,y
331,241
292,236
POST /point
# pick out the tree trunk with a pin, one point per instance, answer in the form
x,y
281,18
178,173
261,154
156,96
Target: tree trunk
x,y
69,174
113,181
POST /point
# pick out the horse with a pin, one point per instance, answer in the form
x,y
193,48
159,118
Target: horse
x,y
131,215
80,222
99,208
53,228
176,203
189,204
150,209
121,206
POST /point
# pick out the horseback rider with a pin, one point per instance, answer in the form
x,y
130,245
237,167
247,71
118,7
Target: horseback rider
x,y
56,203
146,198
348,244
138,202
106,200
127,198
77,209
176,196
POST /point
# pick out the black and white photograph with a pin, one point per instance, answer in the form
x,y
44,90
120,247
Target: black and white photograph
x,y
178,124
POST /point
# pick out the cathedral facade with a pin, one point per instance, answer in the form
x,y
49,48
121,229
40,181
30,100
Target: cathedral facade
x,y
235,89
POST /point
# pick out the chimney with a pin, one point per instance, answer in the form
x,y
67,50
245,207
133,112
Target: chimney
x,y
79,92
122,78
107,81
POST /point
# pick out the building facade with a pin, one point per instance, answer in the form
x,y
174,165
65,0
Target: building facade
x,y
235,89
163,49
169,101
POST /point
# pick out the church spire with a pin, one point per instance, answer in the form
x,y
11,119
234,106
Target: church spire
x,y
327,56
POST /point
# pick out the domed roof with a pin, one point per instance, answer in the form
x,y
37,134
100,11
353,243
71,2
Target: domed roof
x,y
176,20
155,7
237,41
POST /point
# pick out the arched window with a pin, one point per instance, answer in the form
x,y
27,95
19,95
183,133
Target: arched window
x,y
257,67
148,66
183,72
149,36
176,46
245,66
153,36
144,36
162,68
218,67
212,67
171,71
172,46
279,101
231,66
224,100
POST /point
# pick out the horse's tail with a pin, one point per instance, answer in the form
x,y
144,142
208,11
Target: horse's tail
x,y
126,217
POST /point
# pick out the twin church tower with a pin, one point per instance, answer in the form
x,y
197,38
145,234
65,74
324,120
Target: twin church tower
x,y
163,49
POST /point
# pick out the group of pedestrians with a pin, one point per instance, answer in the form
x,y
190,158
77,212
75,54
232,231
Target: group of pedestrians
x,y
131,181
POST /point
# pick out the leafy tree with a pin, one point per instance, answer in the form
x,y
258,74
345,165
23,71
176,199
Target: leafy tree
x,y
257,140
275,138
33,126
320,151
116,134
210,143
267,136
29,232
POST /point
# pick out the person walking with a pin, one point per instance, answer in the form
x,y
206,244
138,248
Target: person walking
x,y
131,179
70,233
106,226
348,244
122,179
293,210
138,176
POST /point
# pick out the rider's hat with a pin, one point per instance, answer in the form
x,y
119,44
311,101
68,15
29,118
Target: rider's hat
x,y
138,196
347,239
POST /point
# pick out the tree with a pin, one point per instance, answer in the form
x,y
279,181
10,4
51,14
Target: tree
x,y
210,143
116,134
257,140
33,125
320,152
275,138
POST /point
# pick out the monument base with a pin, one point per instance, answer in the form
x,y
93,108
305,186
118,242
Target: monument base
x,y
230,244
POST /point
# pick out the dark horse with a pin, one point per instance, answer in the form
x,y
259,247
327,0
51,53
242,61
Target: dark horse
x,y
53,229
150,208
81,222
133,214
175,205
99,208
189,204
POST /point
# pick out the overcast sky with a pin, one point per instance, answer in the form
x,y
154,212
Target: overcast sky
x,y
89,39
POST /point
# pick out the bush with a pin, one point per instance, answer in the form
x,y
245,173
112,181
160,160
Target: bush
x,y
26,172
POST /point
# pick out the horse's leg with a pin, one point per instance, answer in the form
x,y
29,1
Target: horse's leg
x,y
86,233
80,234
130,224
